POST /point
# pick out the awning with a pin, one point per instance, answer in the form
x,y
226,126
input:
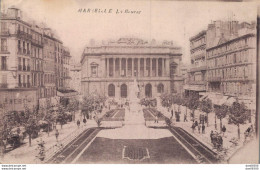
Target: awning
x,y
203,97
222,100
230,101
67,93
215,98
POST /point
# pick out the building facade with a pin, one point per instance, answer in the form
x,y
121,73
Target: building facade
x,y
16,88
232,67
66,68
28,60
108,69
75,73
50,74
197,77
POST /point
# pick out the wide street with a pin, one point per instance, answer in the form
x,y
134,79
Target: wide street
x,y
135,143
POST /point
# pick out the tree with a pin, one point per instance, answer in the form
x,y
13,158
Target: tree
x,y
238,115
73,106
221,112
193,103
30,122
166,100
185,102
49,115
206,106
178,100
4,130
61,116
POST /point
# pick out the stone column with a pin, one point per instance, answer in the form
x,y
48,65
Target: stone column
x,y
151,66
139,66
157,68
114,67
167,67
126,66
162,67
144,66
120,67
107,67
133,61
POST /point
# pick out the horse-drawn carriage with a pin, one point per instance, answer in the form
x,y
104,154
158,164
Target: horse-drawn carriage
x,y
15,137
216,139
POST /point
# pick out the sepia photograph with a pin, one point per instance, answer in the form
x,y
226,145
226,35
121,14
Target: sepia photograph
x,y
129,82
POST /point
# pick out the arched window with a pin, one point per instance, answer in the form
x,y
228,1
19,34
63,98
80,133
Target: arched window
x,y
160,88
111,90
123,91
148,90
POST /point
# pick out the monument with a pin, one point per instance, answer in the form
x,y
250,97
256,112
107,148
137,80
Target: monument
x,y
134,101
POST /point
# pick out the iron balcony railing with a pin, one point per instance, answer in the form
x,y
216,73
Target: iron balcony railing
x,y
3,85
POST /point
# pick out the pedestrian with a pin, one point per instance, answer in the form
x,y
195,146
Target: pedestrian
x,y
196,123
223,129
172,113
78,123
57,134
193,127
205,119
84,121
199,126
211,136
185,118
156,119
203,128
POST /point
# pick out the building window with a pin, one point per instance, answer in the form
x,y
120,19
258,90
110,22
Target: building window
x,y
3,81
19,81
160,88
3,44
94,69
3,63
111,90
123,89
148,90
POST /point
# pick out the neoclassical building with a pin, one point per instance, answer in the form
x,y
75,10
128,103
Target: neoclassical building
x,y
109,68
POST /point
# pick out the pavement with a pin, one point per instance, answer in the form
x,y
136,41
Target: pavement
x,y
231,132
134,128
26,154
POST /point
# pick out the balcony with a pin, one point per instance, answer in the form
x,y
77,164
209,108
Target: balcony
x,y
24,35
4,32
202,82
3,85
36,42
198,68
20,67
214,79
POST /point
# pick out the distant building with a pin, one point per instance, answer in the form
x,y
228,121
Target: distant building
x,y
66,68
108,69
197,79
75,72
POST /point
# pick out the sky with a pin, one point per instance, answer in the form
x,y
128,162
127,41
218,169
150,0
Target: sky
x,y
161,20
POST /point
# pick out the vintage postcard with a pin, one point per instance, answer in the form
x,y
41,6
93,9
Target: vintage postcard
x,y
128,82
